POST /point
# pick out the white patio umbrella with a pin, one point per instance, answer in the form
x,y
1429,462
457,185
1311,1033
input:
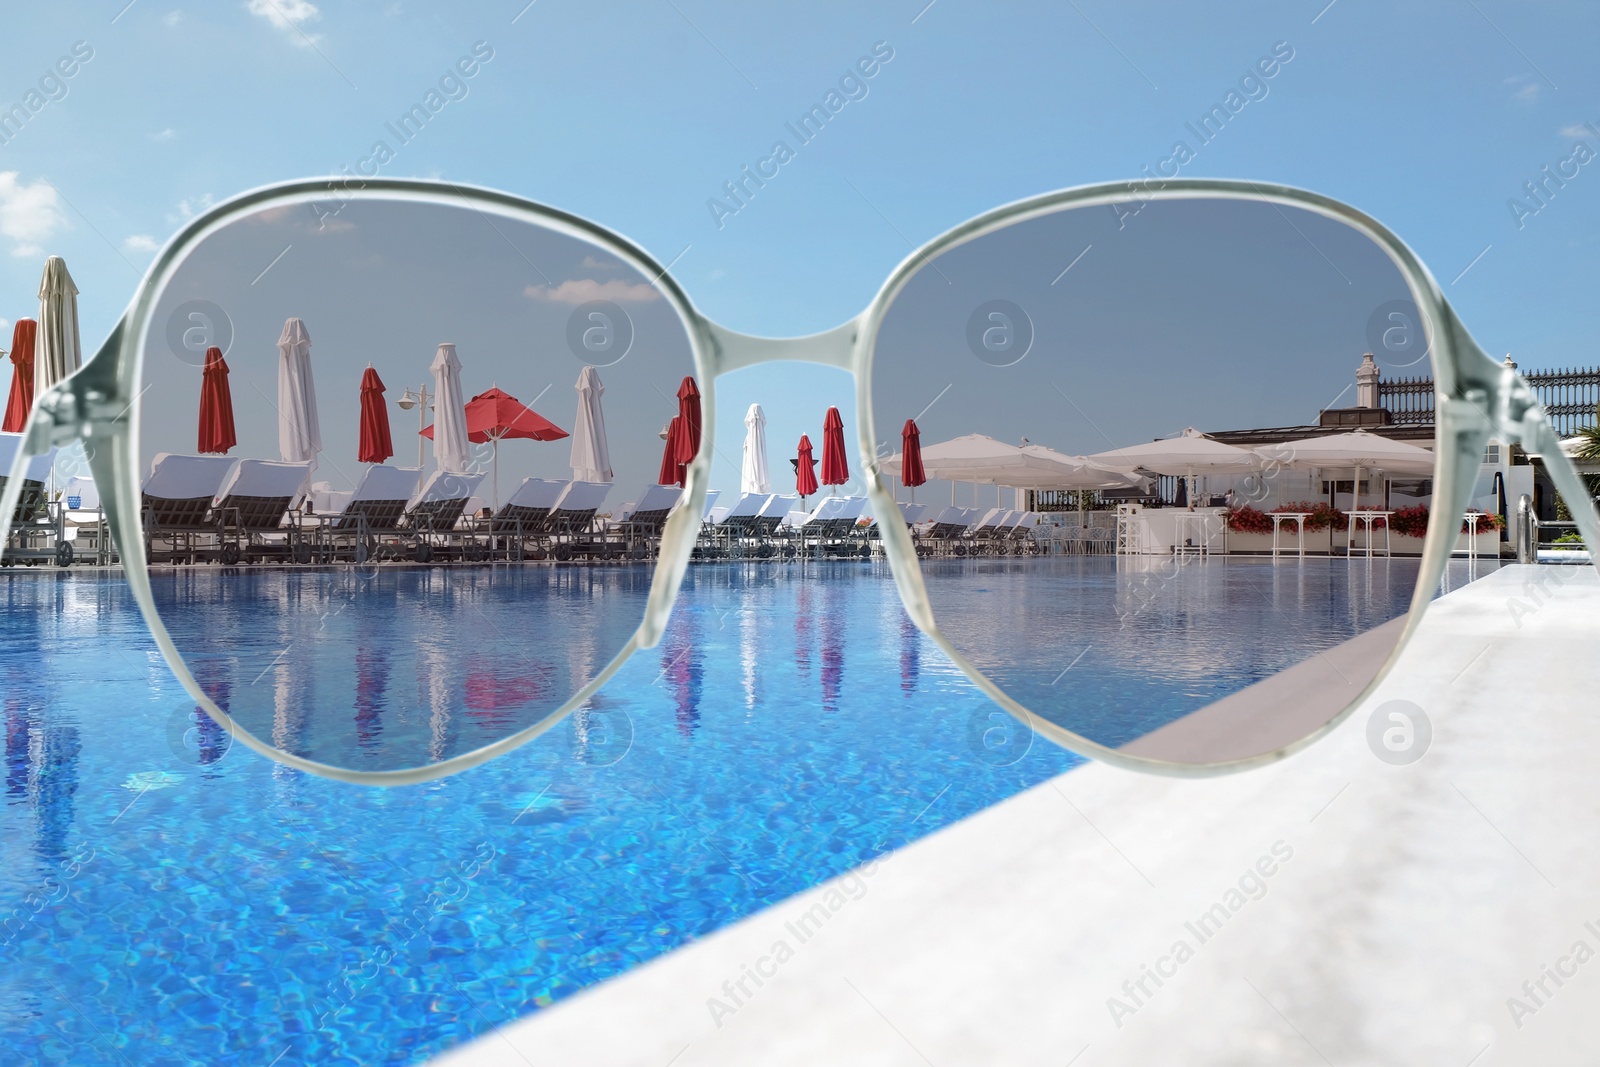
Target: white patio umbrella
x,y
59,351
1358,450
451,449
1183,456
591,457
299,433
753,477
980,459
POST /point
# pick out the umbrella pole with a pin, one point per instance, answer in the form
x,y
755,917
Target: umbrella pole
x,y
497,472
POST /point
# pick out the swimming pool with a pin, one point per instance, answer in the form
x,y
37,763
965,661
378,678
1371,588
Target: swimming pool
x,y
168,900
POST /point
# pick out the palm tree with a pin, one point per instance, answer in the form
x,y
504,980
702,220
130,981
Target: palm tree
x,y
1589,451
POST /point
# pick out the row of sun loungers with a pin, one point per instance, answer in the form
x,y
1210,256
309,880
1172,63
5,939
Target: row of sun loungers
x,y
216,509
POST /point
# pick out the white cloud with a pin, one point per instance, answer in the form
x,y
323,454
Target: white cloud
x,y
140,242
391,11
583,290
173,17
29,214
167,134
188,208
1525,89
289,16
1577,129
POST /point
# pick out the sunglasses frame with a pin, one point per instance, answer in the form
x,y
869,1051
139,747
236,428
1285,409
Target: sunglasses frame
x,y
1478,399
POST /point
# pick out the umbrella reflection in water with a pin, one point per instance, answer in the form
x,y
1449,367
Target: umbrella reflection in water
x,y
832,670
215,678
372,686
683,667
494,694
910,654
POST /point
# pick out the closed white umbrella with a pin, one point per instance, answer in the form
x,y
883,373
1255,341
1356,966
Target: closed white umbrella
x,y
299,433
591,457
59,350
753,477
451,449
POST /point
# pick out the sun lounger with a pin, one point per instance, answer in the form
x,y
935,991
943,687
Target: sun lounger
x,y
913,513
711,502
252,507
372,510
574,510
527,511
432,514
742,518
175,506
38,532
772,514
650,513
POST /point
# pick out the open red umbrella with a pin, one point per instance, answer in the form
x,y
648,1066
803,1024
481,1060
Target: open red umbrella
x,y
805,474
689,416
21,398
216,406
376,445
671,467
911,472
835,468
496,415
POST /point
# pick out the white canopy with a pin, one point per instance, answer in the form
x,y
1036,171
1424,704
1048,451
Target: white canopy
x,y
1088,475
59,350
591,456
451,449
1187,454
299,433
753,477
981,459
1358,448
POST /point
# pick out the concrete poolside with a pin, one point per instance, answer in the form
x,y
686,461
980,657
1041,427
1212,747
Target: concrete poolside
x,y
1405,907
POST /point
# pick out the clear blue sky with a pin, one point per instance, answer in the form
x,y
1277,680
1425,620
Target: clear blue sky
x,y
1430,117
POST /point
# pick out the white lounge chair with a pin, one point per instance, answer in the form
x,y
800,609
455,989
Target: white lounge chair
x,y
528,509
175,506
438,505
650,513
711,502
252,506
745,512
574,510
772,514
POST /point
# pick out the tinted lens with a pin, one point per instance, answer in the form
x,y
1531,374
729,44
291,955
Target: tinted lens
x,y
352,590
1133,596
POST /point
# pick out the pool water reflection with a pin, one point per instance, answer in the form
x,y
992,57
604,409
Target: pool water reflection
x,y
167,898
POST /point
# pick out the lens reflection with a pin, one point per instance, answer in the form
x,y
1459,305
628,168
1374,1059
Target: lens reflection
x,y
400,489
1098,413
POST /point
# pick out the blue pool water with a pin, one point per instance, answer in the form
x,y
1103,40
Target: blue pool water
x,y
168,900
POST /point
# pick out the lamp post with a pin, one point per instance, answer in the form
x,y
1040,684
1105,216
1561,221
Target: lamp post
x,y
422,400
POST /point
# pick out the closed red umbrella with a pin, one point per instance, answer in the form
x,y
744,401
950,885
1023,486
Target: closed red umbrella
x,y
689,416
21,398
805,472
911,472
376,445
835,468
216,406
671,468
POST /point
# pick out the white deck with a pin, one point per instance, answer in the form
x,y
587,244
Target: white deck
x,y
1418,899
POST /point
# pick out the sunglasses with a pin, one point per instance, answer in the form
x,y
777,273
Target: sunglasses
x,y
1210,536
